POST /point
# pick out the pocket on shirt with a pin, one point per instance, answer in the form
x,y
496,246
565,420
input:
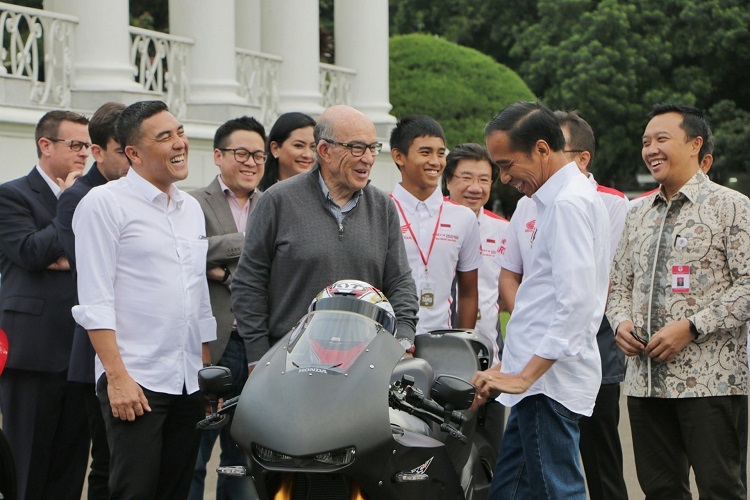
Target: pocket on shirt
x,y
198,254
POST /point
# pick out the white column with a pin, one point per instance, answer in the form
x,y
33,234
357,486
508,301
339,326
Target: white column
x,y
247,24
361,37
290,30
101,55
212,72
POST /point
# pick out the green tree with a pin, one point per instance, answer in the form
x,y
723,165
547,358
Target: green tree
x,y
459,87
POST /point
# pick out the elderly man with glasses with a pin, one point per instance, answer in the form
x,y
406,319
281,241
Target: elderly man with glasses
x,y
41,409
319,227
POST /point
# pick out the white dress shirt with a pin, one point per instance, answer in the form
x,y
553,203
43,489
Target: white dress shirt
x,y
560,302
452,231
142,273
492,230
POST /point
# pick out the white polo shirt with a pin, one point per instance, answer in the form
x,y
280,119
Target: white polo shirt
x,y
492,230
617,207
561,300
445,235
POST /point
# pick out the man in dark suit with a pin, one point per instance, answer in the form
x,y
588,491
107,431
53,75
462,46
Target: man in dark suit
x,y
239,152
41,410
110,164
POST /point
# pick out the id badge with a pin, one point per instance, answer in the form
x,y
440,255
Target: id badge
x,y
680,279
427,297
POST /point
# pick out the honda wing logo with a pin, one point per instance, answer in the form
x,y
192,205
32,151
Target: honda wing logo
x,y
422,469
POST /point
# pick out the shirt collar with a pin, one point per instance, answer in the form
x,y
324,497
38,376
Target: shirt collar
x,y
592,180
50,182
548,191
690,190
327,192
229,192
151,192
409,202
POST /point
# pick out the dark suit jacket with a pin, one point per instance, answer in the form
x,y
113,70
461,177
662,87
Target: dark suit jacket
x,y
224,248
35,303
82,353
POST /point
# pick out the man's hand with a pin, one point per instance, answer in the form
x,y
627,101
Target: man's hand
x,y
625,340
126,397
669,341
215,273
69,180
61,264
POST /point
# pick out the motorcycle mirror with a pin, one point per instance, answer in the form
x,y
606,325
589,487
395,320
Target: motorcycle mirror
x,y
215,382
454,392
3,349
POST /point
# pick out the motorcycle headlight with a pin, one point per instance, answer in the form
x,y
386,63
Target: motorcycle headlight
x,y
328,460
338,457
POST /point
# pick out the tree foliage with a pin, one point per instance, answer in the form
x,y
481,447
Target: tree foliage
x,y
611,60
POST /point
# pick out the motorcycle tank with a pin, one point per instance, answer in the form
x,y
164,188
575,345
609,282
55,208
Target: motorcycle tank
x,y
323,389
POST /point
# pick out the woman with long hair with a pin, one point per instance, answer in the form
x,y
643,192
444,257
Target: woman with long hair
x,y
291,148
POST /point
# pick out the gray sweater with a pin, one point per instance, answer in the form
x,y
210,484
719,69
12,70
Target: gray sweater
x,y
294,248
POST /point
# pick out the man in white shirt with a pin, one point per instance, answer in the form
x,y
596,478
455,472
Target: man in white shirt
x,y
600,447
551,370
141,252
441,237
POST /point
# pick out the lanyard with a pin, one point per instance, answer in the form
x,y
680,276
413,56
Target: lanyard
x,y
414,237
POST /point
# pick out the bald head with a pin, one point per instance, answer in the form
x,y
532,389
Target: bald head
x,y
337,120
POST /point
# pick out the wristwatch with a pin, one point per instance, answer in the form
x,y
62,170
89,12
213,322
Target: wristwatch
x,y
407,344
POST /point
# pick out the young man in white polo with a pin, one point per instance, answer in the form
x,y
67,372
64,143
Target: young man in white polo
x,y
441,237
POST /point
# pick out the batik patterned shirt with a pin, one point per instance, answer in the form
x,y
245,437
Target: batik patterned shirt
x,y
704,226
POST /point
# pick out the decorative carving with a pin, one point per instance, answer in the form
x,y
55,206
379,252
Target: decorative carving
x,y
336,84
258,76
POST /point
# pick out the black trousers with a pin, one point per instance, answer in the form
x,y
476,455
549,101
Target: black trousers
x,y
153,457
672,435
99,472
600,447
46,429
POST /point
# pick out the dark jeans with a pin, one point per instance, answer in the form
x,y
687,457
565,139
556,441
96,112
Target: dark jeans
x,y
601,451
672,435
153,457
226,487
539,453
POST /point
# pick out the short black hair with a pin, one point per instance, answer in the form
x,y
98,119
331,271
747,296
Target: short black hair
x,y
410,127
49,124
581,134
128,125
693,122
467,151
221,137
102,124
707,148
526,123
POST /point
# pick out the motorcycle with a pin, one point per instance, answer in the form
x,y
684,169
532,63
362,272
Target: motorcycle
x,y
333,411
8,487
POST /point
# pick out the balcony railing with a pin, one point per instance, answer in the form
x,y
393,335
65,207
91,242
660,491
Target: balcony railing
x,y
258,75
37,46
336,84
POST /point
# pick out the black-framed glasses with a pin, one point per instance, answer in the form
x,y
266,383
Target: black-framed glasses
x,y
573,150
358,148
73,144
640,335
242,155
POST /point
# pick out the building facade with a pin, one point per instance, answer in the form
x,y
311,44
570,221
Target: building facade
x,y
221,59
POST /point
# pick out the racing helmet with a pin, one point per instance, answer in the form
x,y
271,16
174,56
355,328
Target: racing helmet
x,y
368,301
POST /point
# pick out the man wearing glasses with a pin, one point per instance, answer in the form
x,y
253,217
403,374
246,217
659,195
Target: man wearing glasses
x,y
319,227
41,410
240,154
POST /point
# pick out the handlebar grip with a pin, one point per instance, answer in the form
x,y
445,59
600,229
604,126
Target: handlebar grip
x,y
458,418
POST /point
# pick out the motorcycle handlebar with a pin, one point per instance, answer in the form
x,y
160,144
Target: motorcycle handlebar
x,y
418,399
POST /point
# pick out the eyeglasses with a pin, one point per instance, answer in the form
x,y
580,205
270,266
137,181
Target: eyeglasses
x,y
357,148
469,180
573,150
639,335
242,155
72,143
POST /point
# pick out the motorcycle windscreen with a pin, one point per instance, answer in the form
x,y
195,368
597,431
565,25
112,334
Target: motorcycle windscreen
x,y
329,341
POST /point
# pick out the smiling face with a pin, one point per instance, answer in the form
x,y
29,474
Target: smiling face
x,y
471,183
296,154
524,172
422,166
160,155
57,159
670,157
240,177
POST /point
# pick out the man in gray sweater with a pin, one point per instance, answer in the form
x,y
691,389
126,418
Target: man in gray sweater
x,y
316,228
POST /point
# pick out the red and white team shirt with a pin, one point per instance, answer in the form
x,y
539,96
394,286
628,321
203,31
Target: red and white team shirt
x,y
492,230
440,237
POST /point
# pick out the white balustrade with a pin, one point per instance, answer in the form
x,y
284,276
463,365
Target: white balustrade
x,y
336,84
36,45
160,61
258,76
